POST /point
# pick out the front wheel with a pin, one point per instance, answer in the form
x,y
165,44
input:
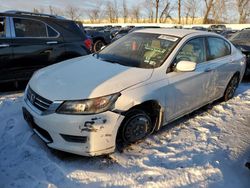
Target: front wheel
x,y
136,126
231,88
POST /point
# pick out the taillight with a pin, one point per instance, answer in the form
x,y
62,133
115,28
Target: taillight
x,y
88,43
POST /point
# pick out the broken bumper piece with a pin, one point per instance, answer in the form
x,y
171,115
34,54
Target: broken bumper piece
x,y
88,135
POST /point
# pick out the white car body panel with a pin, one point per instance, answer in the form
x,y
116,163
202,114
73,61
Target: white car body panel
x,y
85,77
178,93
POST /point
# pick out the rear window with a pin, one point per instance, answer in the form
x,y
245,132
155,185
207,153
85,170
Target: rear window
x,y
72,27
2,28
70,30
218,48
52,32
29,28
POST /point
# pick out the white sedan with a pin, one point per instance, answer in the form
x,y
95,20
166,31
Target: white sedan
x,y
131,88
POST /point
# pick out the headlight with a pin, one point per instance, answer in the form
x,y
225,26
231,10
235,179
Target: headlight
x,y
88,106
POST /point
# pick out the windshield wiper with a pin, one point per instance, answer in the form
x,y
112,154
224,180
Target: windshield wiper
x,y
96,54
111,61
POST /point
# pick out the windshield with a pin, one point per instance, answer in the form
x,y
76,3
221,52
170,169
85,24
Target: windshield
x,y
143,50
241,35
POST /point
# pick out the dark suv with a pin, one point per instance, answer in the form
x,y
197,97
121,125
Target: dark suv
x,y
30,41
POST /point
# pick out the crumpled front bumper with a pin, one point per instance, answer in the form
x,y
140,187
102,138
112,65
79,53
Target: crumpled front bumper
x,y
87,135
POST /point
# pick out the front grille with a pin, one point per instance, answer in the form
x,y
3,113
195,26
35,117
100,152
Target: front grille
x,y
39,102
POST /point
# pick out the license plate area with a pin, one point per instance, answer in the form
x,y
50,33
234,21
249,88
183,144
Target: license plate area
x,y
43,134
28,117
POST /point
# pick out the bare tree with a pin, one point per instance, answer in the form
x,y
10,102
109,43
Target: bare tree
x,y
209,4
156,10
179,11
55,11
166,12
116,11
125,11
38,10
219,11
149,6
243,10
74,13
95,13
112,11
191,9
135,14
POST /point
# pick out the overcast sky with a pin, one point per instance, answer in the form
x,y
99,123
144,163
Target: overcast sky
x,y
28,5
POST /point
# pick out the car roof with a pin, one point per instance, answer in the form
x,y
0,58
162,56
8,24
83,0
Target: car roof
x,y
33,16
174,32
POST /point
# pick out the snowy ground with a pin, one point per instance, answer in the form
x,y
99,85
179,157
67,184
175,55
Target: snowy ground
x,y
206,149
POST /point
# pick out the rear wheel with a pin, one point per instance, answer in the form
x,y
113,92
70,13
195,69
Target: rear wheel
x,y
136,126
98,45
231,88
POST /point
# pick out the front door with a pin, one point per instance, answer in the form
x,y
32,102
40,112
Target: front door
x,y
189,90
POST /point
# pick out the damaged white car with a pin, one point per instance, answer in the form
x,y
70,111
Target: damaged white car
x,y
130,89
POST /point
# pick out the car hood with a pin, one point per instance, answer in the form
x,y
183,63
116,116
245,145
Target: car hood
x,y
85,77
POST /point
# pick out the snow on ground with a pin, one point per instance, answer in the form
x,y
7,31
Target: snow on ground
x,y
206,149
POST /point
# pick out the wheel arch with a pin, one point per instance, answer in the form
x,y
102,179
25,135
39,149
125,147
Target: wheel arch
x,y
99,38
236,73
152,107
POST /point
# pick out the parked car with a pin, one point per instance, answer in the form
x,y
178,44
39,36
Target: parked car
x,y
131,88
199,28
121,33
217,28
242,41
142,27
125,31
100,38
30,41
228,33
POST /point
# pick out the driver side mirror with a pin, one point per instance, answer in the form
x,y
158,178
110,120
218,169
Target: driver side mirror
x,y
186,66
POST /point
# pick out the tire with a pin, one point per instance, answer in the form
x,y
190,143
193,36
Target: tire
x,y
231,88
135,126
98,45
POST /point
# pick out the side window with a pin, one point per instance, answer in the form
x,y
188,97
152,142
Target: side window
x,y
217,48
193,50
2,28
29,28
52,32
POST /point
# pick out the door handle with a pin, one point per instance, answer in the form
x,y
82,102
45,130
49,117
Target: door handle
x,y
51,42
208,70
4,45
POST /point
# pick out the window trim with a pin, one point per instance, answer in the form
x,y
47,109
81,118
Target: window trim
x,y
222,57
170,68
46,26
7,28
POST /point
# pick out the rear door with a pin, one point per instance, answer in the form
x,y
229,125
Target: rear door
x,y
221,64
5,48
34,46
